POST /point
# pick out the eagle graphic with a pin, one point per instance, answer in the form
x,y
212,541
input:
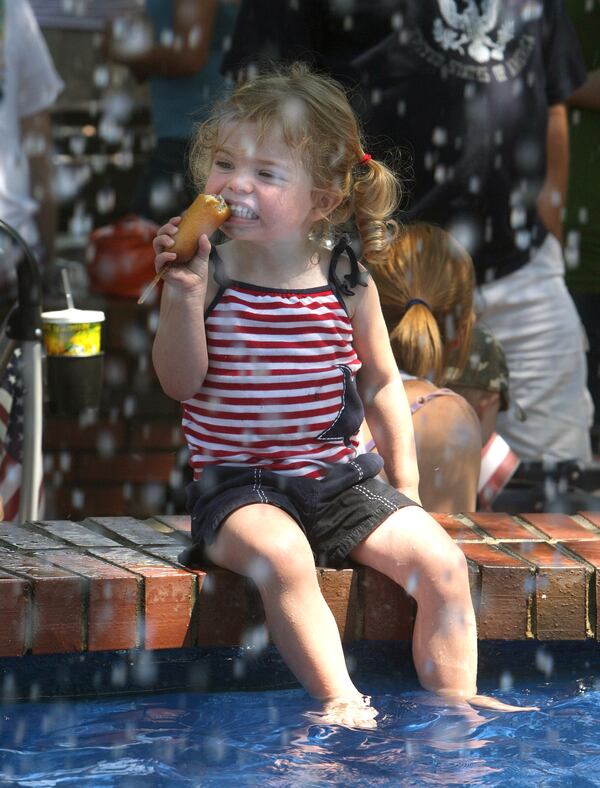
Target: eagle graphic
x,y
470,29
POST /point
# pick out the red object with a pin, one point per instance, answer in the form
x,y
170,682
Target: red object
x,y
121,261
365,158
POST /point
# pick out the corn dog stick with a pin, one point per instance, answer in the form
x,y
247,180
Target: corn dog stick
x,y
150,287
204,215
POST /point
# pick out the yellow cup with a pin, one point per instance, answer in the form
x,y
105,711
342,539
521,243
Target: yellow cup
x,y
72,332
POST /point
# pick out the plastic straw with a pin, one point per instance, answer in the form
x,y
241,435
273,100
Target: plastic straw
x,y
67,288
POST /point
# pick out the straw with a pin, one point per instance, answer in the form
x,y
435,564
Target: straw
x,y
67,288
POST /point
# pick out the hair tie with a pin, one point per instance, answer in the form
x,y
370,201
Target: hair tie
x,y
365,158
412,302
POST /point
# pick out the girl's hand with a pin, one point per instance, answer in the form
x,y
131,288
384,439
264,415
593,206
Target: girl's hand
x,y
191,276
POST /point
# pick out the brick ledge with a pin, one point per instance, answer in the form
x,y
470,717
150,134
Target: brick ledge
x,y
113,583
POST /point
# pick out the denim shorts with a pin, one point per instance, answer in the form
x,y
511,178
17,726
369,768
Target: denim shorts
x,y
336,512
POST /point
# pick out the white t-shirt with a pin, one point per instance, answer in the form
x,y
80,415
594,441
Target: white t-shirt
x,y
29,83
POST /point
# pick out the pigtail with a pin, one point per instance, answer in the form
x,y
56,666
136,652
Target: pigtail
x,y
374,196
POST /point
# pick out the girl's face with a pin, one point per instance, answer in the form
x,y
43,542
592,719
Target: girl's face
x,y
267,188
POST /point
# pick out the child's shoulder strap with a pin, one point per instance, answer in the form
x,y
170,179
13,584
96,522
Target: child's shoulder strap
x,y
346,284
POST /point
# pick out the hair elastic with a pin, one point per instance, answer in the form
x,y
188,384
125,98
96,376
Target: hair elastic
x,y
412,302
365,158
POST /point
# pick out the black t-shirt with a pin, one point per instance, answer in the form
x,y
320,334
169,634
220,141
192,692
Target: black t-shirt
x,y
463,88
328,34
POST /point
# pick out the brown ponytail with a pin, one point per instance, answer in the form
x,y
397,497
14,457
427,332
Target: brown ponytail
x,y
426,290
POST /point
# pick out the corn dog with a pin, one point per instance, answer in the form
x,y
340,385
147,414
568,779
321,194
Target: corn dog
x,y
204,216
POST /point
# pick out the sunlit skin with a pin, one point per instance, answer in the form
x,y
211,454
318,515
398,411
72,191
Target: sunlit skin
x,y
274,206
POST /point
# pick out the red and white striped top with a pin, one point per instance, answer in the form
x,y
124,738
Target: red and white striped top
x,y
279,385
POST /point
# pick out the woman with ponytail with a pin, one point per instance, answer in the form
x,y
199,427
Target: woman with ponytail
x,y
426,291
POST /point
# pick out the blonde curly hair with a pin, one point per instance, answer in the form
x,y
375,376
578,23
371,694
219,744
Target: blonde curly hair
x,y
316,121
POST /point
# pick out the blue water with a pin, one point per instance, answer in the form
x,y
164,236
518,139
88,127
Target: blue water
x,y
274,738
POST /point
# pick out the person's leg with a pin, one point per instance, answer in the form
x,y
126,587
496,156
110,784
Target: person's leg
x,y
415,552
535,320
265,544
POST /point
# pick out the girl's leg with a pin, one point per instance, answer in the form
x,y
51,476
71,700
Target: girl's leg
x,y
265,544
415,552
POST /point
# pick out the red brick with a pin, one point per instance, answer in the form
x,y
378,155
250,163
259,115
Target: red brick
x,y
114,601
340,590
389,612
458,530
57,599
222,615
503,527
97,499
69,434
559,612
157,434
169,594
15,614
560,526
590,552
133,532
505,593
133,468
593,517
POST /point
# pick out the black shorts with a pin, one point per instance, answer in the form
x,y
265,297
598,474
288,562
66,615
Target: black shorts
x,y
336,512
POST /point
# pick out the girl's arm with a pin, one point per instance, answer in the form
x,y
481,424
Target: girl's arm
x,y
382,392
179,352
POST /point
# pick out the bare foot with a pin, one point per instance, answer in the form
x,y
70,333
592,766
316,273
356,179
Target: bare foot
x,y
355,712
485,702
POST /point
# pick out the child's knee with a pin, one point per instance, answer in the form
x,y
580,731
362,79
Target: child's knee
x,y
286,558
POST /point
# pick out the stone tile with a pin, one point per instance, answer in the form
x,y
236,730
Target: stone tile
x,y
136,533
559,610
26,539
503,527
458,530
58,595
505,593
560,526
114,601
340,590
75,534
168,597
389,612
15,614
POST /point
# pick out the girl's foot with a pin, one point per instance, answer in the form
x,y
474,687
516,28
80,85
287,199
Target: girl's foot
x,y
485,702
353,712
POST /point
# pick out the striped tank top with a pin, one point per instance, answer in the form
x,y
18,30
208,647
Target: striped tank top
x,y
280,389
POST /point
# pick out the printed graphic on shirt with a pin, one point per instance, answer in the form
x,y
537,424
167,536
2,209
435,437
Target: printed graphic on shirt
x,y
473,29
351,413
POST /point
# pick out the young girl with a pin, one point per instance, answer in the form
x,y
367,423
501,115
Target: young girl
x,y
274,345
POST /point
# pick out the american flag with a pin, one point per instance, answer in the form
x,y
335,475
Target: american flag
x,y
11,436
